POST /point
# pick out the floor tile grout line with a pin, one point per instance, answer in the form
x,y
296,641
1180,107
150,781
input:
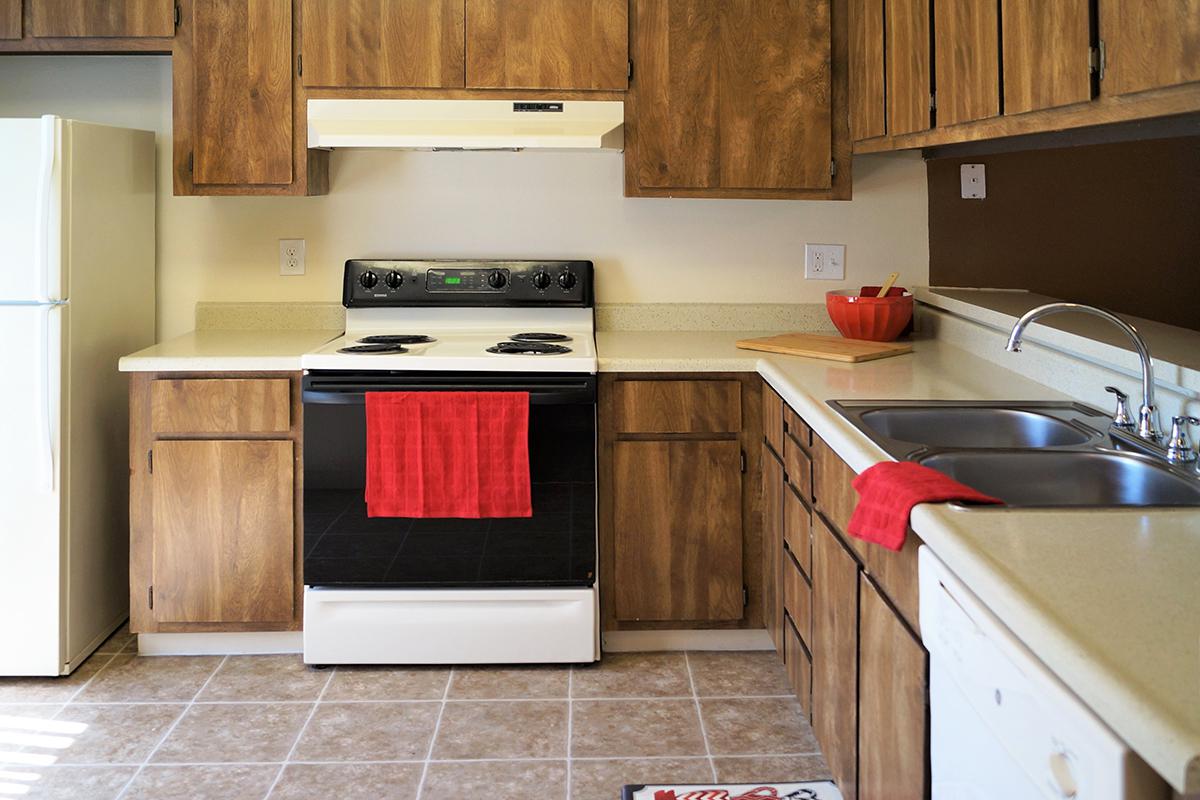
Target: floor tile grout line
x,y
412,701
437,725
300,734
170,729
712,764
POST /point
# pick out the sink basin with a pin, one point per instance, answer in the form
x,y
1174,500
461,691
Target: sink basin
x,y
1056,479
973,426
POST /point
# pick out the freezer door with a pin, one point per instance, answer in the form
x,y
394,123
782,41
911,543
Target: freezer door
x,y
30,210
31,596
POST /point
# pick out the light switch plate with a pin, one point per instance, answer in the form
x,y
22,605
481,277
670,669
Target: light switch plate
x,y
825,262
291,256
974,181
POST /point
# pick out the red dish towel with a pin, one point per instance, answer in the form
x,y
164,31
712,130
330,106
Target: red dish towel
x,y
888,492
448,454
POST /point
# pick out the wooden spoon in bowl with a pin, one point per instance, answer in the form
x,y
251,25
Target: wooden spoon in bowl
x,y
888,284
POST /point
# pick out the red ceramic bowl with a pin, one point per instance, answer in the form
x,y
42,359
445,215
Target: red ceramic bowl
x,y
864,316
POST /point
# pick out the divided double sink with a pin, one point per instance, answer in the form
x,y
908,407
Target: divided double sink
x,y
1030,455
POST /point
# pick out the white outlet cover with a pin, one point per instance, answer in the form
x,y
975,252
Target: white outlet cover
x,y
974,181
825,262
291,256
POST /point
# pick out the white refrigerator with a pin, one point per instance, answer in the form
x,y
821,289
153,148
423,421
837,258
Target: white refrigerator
x,y
76,293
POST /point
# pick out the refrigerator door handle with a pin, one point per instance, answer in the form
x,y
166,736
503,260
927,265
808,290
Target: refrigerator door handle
x,y
45,192
45,412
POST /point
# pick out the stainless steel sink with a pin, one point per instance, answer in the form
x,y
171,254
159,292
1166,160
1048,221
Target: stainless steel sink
x,y
1047,478
974,427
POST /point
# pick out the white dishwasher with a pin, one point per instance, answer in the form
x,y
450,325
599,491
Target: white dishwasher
x,y
1001,724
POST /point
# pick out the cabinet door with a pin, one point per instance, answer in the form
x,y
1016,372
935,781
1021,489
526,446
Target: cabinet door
x,y
1150,44
909,70
835,657
1046,49
677,511
892,704
10,19
111,18
868,104
732,94
772,527
548,44
239,86
223,531
967,60
385,43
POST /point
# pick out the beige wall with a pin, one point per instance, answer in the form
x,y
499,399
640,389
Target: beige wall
x,y
481,204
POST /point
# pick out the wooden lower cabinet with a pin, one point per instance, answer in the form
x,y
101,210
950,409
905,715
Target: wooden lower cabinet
x,y
772,527
215,515
677,511
223,531
799,665
835,656
893,705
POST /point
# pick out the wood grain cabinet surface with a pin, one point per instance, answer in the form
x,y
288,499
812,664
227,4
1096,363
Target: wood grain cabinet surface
x,y
908,66
868,96
966,60
734,97
109,18
1047,48
773,489
215,502
11,19
384,43
547,44
1150,44
798,662
678,406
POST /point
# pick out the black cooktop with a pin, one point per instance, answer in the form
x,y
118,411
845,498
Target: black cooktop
x,y
528,349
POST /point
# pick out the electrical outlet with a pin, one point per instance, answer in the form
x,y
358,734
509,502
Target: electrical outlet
x,y
974,181
291,256
825,262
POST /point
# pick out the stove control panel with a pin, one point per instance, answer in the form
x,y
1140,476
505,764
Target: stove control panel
x,y
382,282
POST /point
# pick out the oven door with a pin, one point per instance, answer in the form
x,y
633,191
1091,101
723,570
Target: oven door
x,y
556,547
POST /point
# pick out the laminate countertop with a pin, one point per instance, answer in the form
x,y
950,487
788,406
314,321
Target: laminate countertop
x,y
228,351
1108,600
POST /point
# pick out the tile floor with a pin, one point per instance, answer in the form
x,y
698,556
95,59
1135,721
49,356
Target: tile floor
x,y
254,727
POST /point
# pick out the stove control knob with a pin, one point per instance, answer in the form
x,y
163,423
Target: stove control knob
x,y
394,280
368,279
541,279
497,280
567,281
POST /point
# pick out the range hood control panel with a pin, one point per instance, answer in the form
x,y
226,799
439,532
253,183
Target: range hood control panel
x,y
380,282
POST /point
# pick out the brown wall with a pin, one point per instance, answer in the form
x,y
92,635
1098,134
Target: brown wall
x,y
1116,225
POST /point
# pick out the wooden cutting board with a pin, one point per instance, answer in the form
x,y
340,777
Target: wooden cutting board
x,y
832,348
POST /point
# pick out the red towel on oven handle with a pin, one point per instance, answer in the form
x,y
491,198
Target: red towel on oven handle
x,y
888,492
448,454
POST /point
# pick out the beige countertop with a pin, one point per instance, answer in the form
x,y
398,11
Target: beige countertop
x,y
1109,600
228,351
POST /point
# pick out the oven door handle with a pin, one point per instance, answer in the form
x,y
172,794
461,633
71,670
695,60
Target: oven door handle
x,y
357,397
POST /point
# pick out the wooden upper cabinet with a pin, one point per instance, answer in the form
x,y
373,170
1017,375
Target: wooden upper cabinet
x,y
967,60
233,94
1046,54
10,19
547,44
868,101
104,19
677,514
383,43
732,95
223,531
909,71
893,685
1149,45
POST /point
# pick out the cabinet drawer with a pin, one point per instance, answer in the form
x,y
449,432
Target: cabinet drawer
x,y
678,406
797,597
772,412
797,530
798,465
797,427
221,405
799,666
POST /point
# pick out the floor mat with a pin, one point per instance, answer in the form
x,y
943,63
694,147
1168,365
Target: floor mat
x,y
809,790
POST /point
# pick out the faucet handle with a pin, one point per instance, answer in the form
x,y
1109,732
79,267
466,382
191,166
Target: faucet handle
x,y
1121,417
1179,447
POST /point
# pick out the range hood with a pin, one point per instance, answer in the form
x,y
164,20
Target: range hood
x,y
467,124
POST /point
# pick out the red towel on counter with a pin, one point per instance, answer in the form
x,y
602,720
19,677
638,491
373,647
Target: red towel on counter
x,y
888,492
448,454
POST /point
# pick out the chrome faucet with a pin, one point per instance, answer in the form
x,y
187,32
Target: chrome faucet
x,y
1147,422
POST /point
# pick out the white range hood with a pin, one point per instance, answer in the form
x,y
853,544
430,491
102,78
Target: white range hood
x,y
467,124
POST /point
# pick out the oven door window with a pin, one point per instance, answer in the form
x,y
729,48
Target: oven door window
x,y
554,547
